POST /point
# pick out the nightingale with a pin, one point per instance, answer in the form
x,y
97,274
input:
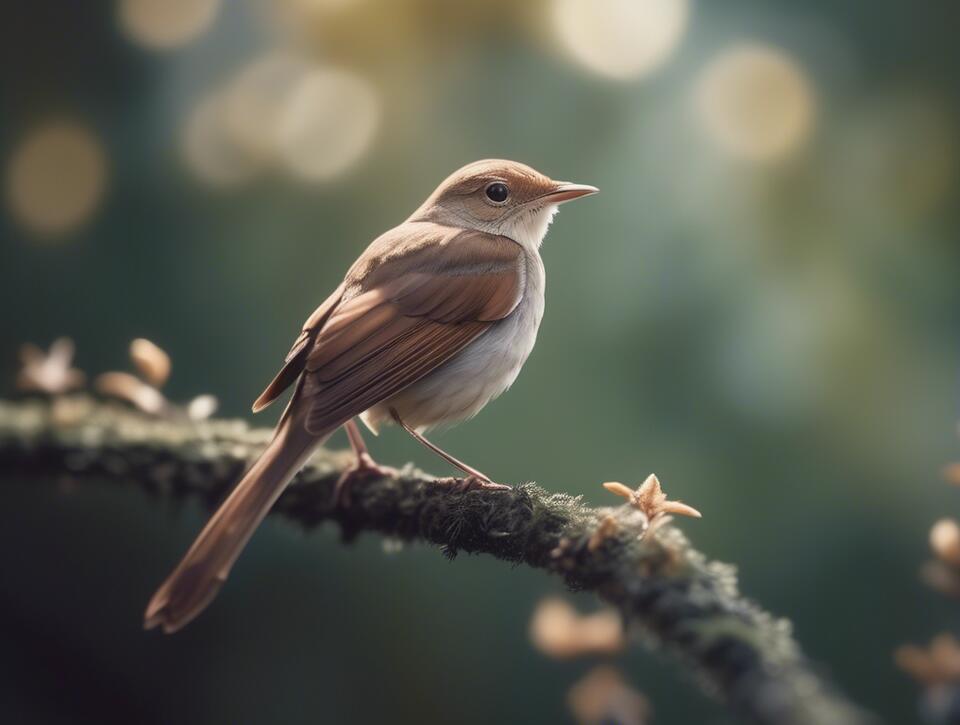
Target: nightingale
x,y
432,322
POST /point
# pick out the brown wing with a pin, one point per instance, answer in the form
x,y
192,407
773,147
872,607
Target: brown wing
x,y
415,308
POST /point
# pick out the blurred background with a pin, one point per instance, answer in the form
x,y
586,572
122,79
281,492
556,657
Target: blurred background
x,y
760,307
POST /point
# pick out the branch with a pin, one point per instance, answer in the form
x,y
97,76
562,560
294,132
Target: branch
x,y
661,585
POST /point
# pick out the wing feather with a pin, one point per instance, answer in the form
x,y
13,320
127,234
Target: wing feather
x,y
394,368
416,297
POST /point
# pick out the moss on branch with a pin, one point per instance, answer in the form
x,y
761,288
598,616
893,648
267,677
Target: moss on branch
x,y
664,588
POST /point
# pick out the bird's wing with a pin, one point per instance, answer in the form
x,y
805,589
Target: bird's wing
x,y
415,308
412,301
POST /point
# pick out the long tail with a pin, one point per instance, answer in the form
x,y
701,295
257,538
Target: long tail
x,y
204,568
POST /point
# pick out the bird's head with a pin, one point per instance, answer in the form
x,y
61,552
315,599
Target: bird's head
x,y
500,197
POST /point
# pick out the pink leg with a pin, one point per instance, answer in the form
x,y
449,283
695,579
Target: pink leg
x,y
474,479
364,467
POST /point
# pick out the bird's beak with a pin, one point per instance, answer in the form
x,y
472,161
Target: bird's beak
x,y
566,191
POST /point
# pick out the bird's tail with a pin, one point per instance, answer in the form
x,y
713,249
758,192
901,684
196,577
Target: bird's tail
x,y
204,568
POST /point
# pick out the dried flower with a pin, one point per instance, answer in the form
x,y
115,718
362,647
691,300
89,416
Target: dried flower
x,y
132,389
151,361
937,664
202,407
49,372
945,541
603,696
652,501
154,366
607,528
559,631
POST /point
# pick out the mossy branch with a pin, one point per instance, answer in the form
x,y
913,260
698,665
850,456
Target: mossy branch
x,y
662,586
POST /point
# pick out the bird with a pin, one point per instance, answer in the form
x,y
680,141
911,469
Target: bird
x,y
433,321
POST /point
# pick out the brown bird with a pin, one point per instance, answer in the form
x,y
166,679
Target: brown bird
x,y
431,323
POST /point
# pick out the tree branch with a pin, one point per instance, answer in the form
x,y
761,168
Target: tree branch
x,y
661,585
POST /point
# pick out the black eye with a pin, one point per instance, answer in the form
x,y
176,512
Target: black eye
x,y
498,192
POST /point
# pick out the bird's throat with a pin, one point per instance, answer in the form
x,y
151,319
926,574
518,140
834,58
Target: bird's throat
x,y
529,227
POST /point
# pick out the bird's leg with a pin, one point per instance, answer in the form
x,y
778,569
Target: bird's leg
x,y
364,467
474,479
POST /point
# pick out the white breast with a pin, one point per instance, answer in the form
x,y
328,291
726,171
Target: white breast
x,y
460,388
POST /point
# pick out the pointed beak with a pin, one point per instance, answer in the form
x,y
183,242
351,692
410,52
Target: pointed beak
x,y
565,191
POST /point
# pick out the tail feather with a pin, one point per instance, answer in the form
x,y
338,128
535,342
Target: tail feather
x,y
204,568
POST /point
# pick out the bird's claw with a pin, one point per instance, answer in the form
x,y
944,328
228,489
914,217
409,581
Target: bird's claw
x,y
363,469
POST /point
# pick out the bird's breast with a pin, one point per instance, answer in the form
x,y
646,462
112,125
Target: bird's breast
x,y
461,387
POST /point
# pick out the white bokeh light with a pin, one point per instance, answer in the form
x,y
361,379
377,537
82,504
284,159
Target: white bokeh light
x,y
622,39
210,150
255,101
329,122
755,102
281,111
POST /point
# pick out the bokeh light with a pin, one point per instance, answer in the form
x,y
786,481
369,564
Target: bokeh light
x,y
321,6
330,121
210,150
755,102
166,23
281,111
255,101
56,178
623,39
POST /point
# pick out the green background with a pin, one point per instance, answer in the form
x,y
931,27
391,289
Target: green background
x,y
777,342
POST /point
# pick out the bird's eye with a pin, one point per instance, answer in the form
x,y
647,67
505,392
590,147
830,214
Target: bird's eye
x,y
498,192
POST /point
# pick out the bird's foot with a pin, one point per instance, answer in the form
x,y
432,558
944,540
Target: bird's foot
x,y
472,483
363,469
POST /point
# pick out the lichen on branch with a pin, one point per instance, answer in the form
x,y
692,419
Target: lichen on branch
x,y
660,584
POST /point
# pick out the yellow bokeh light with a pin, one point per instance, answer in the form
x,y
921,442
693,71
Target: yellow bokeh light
x,y
210,150
56,178
756,103
327,125
623,39
166,23
321,6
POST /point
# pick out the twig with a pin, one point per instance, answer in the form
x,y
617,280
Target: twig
x,y
663,587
